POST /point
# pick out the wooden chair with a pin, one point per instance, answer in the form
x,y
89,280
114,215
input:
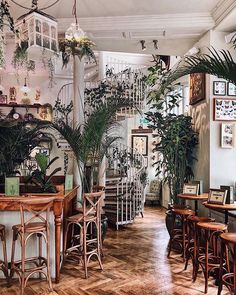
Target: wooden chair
x,y
3,263
191,252
37,225
86,244
179,236
210,260
226,277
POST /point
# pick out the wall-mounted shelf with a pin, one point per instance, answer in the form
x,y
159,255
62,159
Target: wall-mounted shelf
x,y
19,105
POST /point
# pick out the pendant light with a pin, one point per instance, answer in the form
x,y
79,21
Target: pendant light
x,y
25,89
74,31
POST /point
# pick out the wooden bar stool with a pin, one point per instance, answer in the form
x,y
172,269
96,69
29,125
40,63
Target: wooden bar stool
x,y
86,244
179,236
210,262
37,225
191,252
228,241
3,263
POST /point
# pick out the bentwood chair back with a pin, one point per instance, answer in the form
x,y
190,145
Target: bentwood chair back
x,y
36,225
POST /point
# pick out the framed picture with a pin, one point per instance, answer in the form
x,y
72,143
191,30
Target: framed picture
x,y
227,135
219,88
140,144
197,88
12,186
225,109
3,98
68,182
231,89
217,196
191,189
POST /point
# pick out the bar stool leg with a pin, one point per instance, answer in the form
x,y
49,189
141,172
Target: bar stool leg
x,y
171,235
221,269
22,278
48,261
40,252
14,239
85,249
184,230
206,262
4,249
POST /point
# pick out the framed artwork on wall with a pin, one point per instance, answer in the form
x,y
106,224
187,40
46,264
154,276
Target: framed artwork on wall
x,y
225,109
231,89
227,135
219,88
140,144
197,88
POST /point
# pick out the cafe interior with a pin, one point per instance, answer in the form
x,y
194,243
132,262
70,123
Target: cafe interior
x,y
117,147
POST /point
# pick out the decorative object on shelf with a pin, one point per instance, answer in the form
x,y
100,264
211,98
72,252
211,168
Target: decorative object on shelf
x,y
217,196
197,88
140,144
37,94
28,117
45,112
231,89
14,115
227,135
25,89
75,42
224,109
219,88
12,95
39,30
12,186
3,98
191,189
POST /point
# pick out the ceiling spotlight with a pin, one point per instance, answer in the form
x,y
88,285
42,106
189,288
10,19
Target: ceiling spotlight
x,y
143,45
155,44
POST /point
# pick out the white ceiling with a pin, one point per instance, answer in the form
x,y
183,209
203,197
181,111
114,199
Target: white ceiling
x,y
120,25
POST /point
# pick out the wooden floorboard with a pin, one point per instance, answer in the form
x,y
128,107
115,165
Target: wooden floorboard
x,y
135,263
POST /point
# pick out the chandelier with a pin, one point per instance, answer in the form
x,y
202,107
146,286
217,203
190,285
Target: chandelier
x,y
74,31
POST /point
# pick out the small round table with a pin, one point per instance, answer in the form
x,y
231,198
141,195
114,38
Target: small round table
x,y
226,208
195,198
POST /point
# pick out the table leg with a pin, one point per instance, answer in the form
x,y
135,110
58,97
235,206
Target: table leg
x,y
58,222
226,217
196,207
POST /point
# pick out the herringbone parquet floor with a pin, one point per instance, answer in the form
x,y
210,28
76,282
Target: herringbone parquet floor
x,y
135,263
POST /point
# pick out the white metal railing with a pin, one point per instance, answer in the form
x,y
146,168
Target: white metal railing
x,y
130,81
128,165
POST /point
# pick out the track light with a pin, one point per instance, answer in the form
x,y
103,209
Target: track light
x,y
155,44
143,45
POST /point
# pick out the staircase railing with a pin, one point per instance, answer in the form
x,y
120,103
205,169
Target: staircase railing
x,y
127,164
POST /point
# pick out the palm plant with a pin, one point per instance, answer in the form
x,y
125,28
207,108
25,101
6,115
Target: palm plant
x,y
90,141
17,142
220,64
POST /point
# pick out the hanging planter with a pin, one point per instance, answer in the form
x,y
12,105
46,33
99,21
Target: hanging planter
x,y
76,47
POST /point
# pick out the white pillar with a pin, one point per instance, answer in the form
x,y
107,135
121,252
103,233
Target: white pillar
x,y
78,110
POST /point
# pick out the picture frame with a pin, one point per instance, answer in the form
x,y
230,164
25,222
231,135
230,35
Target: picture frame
x,y
3,99
139,143
231,89
197,88
69,182
217,196
219,88
224,109
227,135
12,186
191,189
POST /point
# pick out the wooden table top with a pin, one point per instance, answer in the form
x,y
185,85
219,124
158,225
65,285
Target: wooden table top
x,y
202,197
228,207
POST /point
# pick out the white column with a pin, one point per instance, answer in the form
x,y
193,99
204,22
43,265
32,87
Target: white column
x,y
78,110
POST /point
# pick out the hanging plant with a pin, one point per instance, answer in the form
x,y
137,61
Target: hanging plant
x,y
5,16
20,57
76,47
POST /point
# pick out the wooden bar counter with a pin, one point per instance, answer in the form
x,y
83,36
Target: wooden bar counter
x,y
62,207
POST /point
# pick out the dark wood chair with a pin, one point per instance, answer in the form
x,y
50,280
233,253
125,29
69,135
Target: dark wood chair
x,y
191,252
36,225
86,243
3,263
227,278
179,236
210,259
